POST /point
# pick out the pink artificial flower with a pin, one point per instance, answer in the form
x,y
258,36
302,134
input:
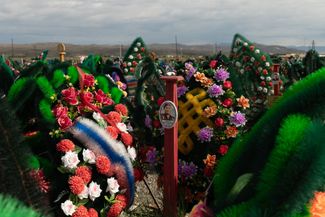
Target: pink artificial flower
x,y
60,110
87,96
64,122
70,95
102,98
89,80
94,191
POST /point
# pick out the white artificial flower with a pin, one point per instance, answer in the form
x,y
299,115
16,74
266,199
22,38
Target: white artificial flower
x,y
68,207
122,127
126,70
94,190
136,49
84,193
260,88
138,44
257,51
252,59
245,44
267,64
112,185
265,90
259,69
131,57
100,120
241,71
89,156
129,64
268,78
70,160
262,77
132,152
238,64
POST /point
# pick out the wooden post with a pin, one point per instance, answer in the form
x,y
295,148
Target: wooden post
x,y
61,50
171,153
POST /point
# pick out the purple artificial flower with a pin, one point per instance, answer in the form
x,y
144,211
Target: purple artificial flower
x,y
186,170
148,122
151,156
205,134
181,90
238,119
221,74
190,71
215,90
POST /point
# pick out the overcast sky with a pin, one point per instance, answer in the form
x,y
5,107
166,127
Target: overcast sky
x,y
282,22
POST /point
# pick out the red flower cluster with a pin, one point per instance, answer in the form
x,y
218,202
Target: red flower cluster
x,y
89,80
76,184
113,131
120,108
81,211
92,213
85,173
70,95
102,98
117,207
65,145
127,139
114,117
103,164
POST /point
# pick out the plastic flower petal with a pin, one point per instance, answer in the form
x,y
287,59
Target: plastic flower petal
x,y
112,185
68,208
94,190
70,160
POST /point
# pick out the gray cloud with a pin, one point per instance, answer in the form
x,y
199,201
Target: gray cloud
x,y
284,22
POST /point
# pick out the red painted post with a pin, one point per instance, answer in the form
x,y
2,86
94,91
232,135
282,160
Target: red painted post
x,y
171,153
276,79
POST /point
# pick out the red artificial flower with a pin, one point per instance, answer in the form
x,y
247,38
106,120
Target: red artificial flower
x,y
156,123
252,47
121,198
81,211
64,122
142,49
270,84
89,80
134,63
113,131
92,213
213,64
103,164
40,179
87,97
223,149
139,56
317,208
265,72
65,145
131,69
138,174
60,110
160,100
70,95
102,98
263,58
219,122
127,139
227,102
85,173
115,210
227,84
76,184
262,83
122,109
114,117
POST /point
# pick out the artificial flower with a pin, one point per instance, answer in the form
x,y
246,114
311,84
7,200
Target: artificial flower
x,y
94,190
76,185
151,155
114,116
210,160
213,64
38,176
132,153
156,123
243,102
227,84
223,149
160,100
120,108
138,174
122,127
238,119
83,194
209,111
186,170
126,138
115,210
231,131
215,90
64,122
87,97
102,98
88,80
70,160
148,121
65,145
81,211
68,208
317,208
112,131
92,213
103,164
221,74
89,156
70,95
85,173
205,134
181,90
227,102
219,122
100,120
112,185
60,110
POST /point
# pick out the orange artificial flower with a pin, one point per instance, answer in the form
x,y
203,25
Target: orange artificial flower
x,y
318,205
231,131
243,102
210,111
210,161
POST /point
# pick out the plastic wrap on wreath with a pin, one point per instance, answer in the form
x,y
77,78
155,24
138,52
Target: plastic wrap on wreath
x,y
190,118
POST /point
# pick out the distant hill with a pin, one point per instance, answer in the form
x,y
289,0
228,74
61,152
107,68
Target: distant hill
x,y
72,50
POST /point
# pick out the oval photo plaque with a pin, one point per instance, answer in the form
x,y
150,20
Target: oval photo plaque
x,y
168,114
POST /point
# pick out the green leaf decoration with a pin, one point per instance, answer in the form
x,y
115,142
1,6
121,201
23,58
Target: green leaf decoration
x,y
46,88
45,108
240,184
116,94
11,207
73,74
103,83
21,91
58,78
92,63
7,76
